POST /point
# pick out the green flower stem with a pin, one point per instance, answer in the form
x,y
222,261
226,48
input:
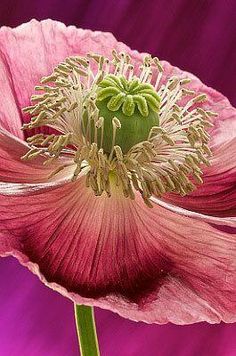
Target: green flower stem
x,y
86,330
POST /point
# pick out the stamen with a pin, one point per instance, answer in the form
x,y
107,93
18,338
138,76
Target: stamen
x,y
72,99
115,125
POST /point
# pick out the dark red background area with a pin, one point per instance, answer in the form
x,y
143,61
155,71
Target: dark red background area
x,y
198,36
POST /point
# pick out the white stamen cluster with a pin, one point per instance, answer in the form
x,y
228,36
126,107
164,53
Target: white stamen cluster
x,y
168,161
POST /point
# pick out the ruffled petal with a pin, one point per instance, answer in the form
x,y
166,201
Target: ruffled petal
x,y
153,265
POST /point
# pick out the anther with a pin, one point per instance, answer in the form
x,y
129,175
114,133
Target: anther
x,y
50,78
200,98
118,152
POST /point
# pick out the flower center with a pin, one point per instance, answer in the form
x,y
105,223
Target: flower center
x,y
135,131
135,106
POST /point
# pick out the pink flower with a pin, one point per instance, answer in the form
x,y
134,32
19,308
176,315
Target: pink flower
x,y
172,262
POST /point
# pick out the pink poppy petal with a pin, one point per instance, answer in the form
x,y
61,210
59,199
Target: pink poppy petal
x,y
146,264
15,170
10,115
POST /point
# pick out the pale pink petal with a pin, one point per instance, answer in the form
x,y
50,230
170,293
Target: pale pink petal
x,y
146,264
15,170
10,115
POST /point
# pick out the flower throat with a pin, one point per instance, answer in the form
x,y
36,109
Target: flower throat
x,y
132,130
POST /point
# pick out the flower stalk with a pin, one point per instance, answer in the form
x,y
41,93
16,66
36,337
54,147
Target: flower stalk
x,y
86,330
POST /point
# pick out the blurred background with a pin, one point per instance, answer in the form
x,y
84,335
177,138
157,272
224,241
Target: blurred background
x,y
196,35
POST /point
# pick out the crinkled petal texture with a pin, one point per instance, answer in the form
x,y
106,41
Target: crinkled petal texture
x,y
156,265
147,264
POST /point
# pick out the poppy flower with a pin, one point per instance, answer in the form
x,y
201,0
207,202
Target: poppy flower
x,y
116,190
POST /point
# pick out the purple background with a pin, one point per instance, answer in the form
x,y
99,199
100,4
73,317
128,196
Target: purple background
x,y
196,35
